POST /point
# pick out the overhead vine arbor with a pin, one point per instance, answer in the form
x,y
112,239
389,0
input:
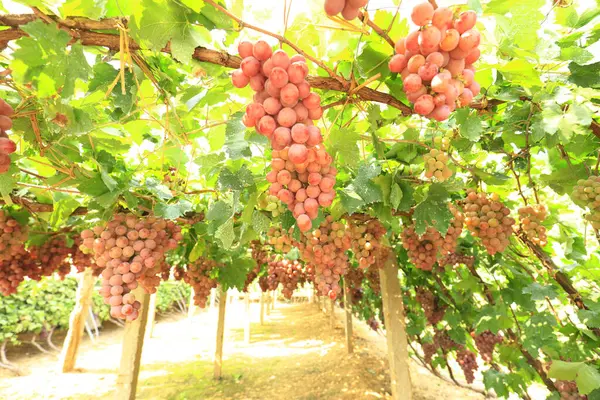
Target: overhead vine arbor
x,y
221,142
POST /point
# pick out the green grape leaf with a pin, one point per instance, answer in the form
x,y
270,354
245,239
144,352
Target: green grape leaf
x,y
396,196
234,275
521,73
174,210
63,207
236,145
226,234
260,222
564,370
344,143
470,124
588,379
585,75
197,250
539,292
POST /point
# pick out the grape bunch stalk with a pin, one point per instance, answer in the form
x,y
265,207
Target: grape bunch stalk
x,y
283,110
7,146
489,220
587,194
131,250
436,60
532,218
348,8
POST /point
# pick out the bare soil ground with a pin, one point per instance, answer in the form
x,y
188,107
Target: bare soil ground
x,y
295,355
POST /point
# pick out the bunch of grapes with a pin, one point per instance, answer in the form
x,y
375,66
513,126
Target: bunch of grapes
x,y
453,259
325,248
12,237
568,390
587,194
129,249
280,239
301,174
429,349
197,275
372,275
436,165
179,273
309,274
354,278
366,242
348,8
486,342
532,218
14,270
468,363
286,272
82,260
52,256
442,340
271,204
488,219
443,142
431,307
373,324
436,61
263,283
261,257
7,146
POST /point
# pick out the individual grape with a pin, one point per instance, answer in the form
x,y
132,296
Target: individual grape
x,y
430,37
532,218
334,7
412,83
239,79
450,40
415,63
262,51
469,40
442,18
7,146
465,21
422,14
440,113
424,105
428,71
397,63
245,49
250,66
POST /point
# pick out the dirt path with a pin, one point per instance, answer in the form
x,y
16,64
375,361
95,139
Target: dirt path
x,y
295,355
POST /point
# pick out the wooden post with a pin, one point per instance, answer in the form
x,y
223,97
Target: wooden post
x,y
151,316
274,299
268,305
83,297
262,308
332,312
348,309
131,354
395,330
247,325
220,333
192,307
213,294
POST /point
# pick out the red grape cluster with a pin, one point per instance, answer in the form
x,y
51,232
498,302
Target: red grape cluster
x,y
301,174
354,278
348,8
532,218
261,257
82,260
309,274
433,311
443,341
486,342
366,242
429,349
7,146
52,256
286,272
488,219
436,61
568,390
263,283
468,363
14,270
12,237
325,248
453,259
372,275
130,249
197,275
587,194
425,250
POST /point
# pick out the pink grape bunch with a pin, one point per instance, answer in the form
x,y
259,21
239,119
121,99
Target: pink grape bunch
x,y
286,272
283,110
436,61
197,275
348,8
7,146
130,249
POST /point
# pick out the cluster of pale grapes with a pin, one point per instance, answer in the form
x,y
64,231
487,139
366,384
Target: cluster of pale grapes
x,y
436,165
587,194
130,249
436,61
488,219
532,218
366,242
486,342
468,363
271,204
287,272
348,8
283,110
426,249
325,249
7,146
280,240
442,142
197,275
434,312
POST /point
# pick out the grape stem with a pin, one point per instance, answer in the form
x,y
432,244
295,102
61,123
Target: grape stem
x,y
364,17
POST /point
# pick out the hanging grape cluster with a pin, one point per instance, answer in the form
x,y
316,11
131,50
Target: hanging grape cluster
x,y
436,164
468,363
453,259
366,242
426,249
532,218
197,275
263,283
429,349
271,204
348,8
434,312
280,240
488,219
325,248
443,341
587,194
372,275
52,256
286,272
486,342
130,249
7,146
436,61
283,110
568,390
12,237
82,260
261,257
